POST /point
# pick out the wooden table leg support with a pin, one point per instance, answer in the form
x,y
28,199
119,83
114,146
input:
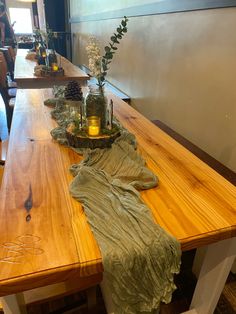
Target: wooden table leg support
x,y
14,304
91,297
215,269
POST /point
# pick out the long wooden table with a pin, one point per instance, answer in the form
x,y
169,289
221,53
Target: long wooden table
x,y
25,78
55,243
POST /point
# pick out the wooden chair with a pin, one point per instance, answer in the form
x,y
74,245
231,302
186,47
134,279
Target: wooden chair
x,y
9,105
11,83
1,174
4,76
11,52
5,92
3,151
9,61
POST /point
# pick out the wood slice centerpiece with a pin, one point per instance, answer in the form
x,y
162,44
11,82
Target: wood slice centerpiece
x,y
49,72
82,140
44,71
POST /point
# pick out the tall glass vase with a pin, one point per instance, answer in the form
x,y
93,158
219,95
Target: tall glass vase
x,y
96,105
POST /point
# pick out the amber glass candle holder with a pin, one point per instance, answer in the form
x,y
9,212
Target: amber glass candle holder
x,y
94,125
55,67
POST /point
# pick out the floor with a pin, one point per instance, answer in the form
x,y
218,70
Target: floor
x,y
76,303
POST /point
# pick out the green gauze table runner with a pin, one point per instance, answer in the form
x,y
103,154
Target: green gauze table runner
x,y
139,257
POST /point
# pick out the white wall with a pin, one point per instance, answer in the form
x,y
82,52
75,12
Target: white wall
x,y
178,68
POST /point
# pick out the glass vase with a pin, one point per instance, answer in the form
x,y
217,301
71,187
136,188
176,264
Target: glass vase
x,y
96,105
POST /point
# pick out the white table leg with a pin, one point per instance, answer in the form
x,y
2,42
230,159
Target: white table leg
x,y
14,304
216,266
233,269
198,260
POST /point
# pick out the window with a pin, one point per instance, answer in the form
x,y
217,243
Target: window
x,y
22,19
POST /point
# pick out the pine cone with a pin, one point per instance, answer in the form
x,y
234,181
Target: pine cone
x,y
73,91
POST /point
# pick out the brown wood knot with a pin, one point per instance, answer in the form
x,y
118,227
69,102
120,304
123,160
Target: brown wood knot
x,y
29,203
31,139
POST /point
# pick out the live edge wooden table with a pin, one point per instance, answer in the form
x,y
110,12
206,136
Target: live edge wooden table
x,y
44,235
25,78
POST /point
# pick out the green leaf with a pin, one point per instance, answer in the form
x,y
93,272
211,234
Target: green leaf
x,y
123,23
108,55
119,36
125,30
104,67
107,49
113,38
114,48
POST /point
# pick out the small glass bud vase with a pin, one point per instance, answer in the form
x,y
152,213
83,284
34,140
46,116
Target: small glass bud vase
x,y
96,105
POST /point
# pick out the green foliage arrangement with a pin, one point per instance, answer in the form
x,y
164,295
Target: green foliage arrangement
x,y
99,65
111,49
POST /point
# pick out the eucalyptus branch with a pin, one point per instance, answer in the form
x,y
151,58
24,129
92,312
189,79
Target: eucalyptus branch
x,y
111,49
99,65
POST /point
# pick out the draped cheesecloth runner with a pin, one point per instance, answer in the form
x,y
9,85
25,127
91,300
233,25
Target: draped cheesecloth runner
x,y
139,257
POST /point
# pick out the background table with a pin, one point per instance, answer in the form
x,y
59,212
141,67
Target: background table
x,y
25,78
25,45
192,202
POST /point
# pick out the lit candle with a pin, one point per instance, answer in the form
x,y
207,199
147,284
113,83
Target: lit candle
x,y
54,67
93,126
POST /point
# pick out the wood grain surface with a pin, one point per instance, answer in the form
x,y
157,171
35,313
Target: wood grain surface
x,y
192,201
25,78
56,244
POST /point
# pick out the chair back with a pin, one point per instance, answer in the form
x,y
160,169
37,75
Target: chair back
x,y
9,109
11,52
1,174
9,61
3,70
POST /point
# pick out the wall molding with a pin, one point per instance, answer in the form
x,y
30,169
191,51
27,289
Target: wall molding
x,y
165,6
